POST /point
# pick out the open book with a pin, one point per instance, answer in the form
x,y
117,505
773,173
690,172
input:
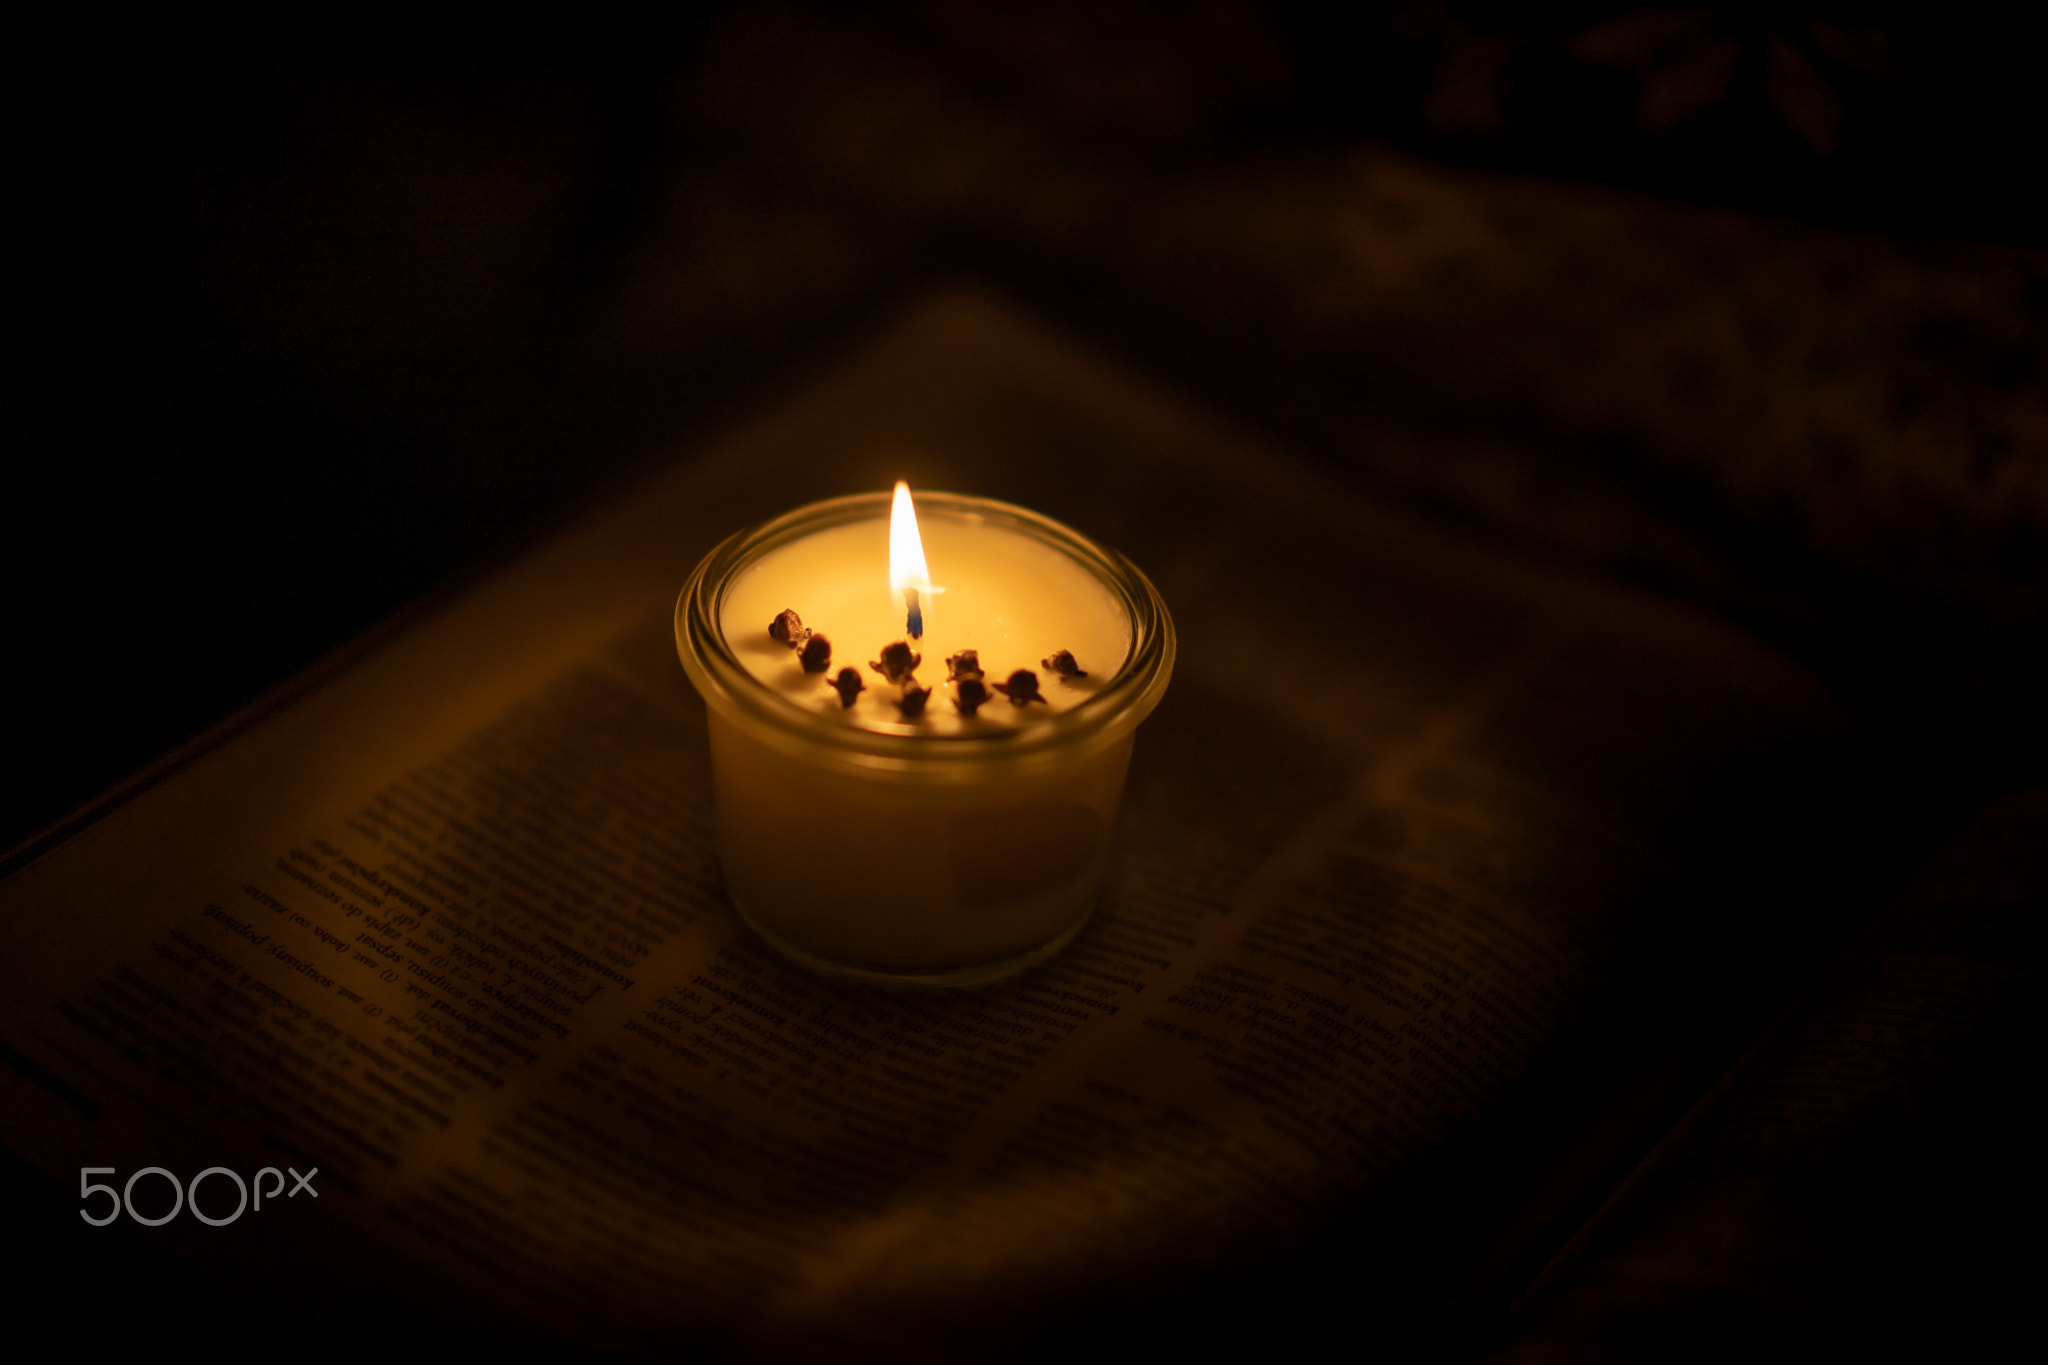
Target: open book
x,y
1446,883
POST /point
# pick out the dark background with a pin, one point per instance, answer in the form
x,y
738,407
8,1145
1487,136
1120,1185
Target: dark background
x,y
315,323
315,320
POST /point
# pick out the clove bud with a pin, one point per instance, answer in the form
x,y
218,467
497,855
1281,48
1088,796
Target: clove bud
x,y
1022,688
898,661
849,684
1063,664
788,629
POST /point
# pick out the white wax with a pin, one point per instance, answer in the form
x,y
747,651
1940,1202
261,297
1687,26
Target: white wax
x,y
1012,599
899,877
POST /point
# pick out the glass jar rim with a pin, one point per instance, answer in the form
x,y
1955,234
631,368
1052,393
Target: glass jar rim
x,y
1131,692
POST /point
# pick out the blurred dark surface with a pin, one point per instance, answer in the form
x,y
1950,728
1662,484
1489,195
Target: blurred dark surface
x,y
1750,310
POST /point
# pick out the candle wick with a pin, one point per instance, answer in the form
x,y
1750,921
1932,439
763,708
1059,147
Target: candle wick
x,y
914,626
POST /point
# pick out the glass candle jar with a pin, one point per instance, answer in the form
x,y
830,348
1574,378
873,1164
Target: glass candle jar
x,y
890,837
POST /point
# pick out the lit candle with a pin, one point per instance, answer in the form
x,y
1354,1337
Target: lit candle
x,y
915,821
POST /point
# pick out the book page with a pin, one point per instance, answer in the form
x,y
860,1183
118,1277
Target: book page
x,y
1431,856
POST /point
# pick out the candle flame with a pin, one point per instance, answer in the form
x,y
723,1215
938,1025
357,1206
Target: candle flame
x,y
907,572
